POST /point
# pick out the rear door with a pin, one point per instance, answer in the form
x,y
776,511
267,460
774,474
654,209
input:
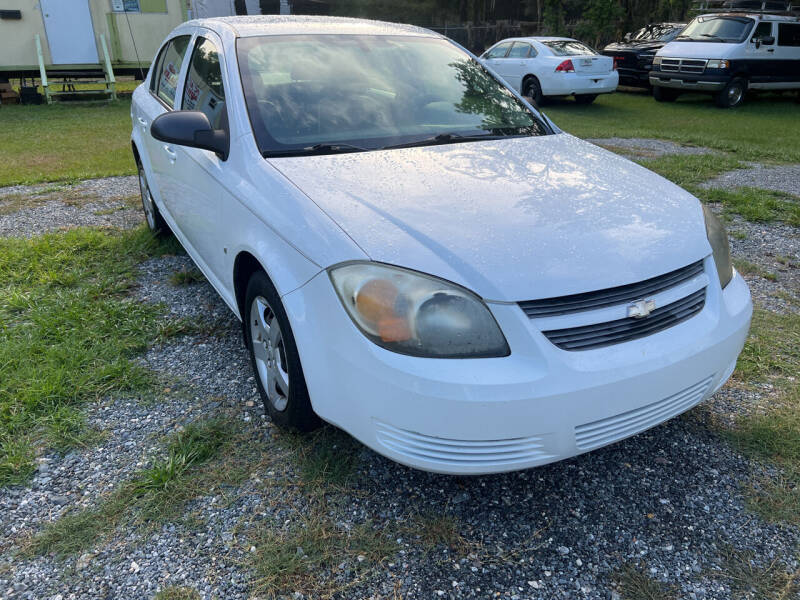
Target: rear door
x,y
160,98
495,54
514,65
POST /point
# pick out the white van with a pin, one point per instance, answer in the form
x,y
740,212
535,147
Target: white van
x,y
727,53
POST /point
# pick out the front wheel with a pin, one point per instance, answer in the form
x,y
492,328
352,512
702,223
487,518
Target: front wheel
x,y
585,98
274,357
732,95
662,94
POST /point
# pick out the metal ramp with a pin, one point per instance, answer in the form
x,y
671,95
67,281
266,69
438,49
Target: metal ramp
x,y
68,78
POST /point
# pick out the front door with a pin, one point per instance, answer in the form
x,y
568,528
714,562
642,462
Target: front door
x,y
70,33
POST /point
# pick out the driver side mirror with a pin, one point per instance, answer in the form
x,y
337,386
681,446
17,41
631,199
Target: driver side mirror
x,y
190,128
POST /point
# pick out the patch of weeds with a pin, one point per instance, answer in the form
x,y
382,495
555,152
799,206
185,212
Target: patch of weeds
x,y
198,459
326,458
787,297
749,580
776,497
737,234
772,349
745,267
178,593
436,531
691,169
186,277
68,332
633,583
772,353
755,205
293,559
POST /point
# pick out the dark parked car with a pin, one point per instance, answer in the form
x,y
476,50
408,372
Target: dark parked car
x,y
634,55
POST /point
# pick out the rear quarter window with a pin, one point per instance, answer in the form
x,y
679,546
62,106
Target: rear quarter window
x,y
789,34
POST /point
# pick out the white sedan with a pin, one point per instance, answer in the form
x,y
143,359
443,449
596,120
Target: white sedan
x,y
420,257
553,66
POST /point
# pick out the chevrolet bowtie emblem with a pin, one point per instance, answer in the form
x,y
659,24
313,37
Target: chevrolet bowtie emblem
x,y
641,309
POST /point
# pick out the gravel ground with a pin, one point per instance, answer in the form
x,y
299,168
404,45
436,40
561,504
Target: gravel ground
x,y
647,148
779,178
668,499
108,202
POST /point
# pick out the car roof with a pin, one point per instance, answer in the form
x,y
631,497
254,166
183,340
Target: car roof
x,y
755,15
246,26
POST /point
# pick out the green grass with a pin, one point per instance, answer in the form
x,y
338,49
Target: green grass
x,y
764,129
758,206
633,583
687,170
439,531
178,593
326,459
64,142
186,277
290,559
772,354
198,458
68,331
748,579
746,267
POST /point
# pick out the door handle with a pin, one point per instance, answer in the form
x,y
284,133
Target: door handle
x,y
142,122
171,153
771,50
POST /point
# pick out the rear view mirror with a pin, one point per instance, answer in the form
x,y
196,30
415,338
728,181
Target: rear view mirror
x,y
190,128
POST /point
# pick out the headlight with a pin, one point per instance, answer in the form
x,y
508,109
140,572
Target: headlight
x,y
657,61
718,239
416,314
718,64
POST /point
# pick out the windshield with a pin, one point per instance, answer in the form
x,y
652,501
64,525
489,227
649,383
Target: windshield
x,y
331,93
656,33
728,29
568,48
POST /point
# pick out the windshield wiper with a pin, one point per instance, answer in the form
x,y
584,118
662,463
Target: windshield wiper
x,y
327,148
449,138
711,35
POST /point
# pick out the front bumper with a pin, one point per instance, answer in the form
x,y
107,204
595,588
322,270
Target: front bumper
x,y
536,406
566,84
706,82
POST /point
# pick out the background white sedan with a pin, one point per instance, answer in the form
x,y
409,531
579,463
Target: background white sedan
x,y
552,66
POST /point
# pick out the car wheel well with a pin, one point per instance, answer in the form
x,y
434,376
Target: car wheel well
x,y
244,267
530,76
135,153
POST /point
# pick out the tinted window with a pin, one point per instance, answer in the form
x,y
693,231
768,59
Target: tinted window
x,y
498,51
371,92
166,78
789,34
519,50
568,48
763,29
204,90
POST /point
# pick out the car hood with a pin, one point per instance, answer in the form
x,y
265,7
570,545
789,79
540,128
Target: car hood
x,y
515,219
633,46
697,50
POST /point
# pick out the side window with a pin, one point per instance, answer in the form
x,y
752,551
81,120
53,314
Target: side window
x,y
169,66
204,90
498,51
763,29
789,34
519,50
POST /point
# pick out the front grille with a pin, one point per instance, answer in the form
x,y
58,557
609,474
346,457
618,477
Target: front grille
x,y
605,431
598,335
683,65
564,305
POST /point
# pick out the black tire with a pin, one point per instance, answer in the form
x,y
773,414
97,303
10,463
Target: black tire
x,y
585,98
297,412
533,90
662,94
732,95
152,216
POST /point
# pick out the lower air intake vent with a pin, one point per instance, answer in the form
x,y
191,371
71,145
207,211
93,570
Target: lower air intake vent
x,y
605,431
462,453
598,335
